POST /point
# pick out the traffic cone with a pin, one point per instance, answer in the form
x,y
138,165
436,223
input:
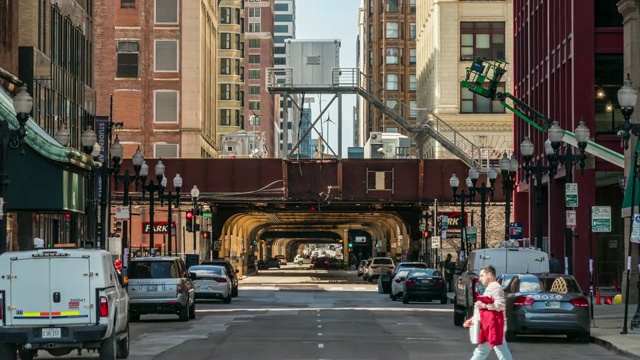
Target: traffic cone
x,y
607,300
598,299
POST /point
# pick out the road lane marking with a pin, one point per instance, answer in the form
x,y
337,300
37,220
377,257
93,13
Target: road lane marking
x,y
319,334
320,346
319,320
411,324
378,309
319,326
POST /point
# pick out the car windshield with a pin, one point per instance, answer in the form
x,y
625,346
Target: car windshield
x,y
151,270
204,271
424,272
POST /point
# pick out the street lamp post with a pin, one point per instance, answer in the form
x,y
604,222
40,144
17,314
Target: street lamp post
x,y
22,103
508,168
63,136
152,187
195,193
455,182
627,98
171,199
483,190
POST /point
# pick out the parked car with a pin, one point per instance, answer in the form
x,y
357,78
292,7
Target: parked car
x,y
504,279
211,282
361,267
397,283
56,307
377,265
282,260
552,304
425,285
160,285
505,261
410,264
231,272
302,260
268,264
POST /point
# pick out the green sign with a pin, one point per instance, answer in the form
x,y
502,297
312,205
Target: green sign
x,y
571,194
601,218
207,214
472,234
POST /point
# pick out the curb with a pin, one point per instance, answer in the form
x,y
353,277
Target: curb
x,y
614,349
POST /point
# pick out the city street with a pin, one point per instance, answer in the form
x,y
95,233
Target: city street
x,y
314,315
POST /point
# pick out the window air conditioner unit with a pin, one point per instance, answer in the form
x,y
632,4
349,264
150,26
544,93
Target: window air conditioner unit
x,y
376,138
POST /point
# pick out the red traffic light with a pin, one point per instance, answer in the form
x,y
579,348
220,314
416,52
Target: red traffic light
x,y
206,234
189,214
313,208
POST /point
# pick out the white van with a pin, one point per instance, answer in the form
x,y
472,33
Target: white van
x,y
505,260
59,300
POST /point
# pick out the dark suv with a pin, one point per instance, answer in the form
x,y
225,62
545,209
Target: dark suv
x,y
233,274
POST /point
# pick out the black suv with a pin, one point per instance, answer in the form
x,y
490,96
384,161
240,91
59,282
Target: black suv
x,y
233,274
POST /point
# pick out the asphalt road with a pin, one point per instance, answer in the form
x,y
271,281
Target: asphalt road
x,y
307,317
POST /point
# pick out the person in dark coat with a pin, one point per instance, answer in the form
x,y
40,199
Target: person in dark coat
x,y
555,267
449,270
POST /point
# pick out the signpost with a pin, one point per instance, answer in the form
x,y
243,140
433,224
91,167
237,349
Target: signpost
x,y
571,219
635,229
571,194
435,242
601,218
472,234
122,213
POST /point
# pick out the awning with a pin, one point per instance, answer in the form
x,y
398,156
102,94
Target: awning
x,y
628,190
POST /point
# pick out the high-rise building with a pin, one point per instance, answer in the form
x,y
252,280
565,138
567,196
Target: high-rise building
x,y
446,48
161,73
259,104
231,68
306,147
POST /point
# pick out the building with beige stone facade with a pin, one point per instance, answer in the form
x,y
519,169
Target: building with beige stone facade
x,y
450,33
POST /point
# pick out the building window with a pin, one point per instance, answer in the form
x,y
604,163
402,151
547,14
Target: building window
x,y
392,82
225,66
165,106
166,55
238,69
412,6
254,105
254,90
413,83
127,59
482,39
127,4
167,11
225,91
225,117
470,103
254,12
254,27
225,15
371,33
283,18
370,58
239,44
392,104
281,7
254,59
392,6
412,56
254,74
254,43
413,105
392,56
165,151
225,41
281,29
238,97
412,31
392,30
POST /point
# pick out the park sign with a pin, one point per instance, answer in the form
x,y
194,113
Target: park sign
x,y
601,218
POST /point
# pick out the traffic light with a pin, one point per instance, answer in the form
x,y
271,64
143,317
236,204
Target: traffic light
x,y
206,235
190,221
117,227
255,241
350,244
426,234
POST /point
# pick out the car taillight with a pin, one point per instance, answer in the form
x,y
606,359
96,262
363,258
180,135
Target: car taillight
x,y
398,281
409,283
179,288
373,267
523,301
391,267
440,283
580,302
104,307
221,280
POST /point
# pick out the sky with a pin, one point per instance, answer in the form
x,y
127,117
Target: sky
x,y
332,19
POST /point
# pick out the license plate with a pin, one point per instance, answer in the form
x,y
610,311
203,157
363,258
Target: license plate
x,y
552,304
49,333
204,288
152,287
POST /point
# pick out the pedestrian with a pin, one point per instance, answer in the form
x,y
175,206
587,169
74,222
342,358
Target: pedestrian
x,y
449,270
555,267
492,305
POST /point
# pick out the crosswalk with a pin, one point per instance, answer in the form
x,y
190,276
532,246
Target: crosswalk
x,y
307,287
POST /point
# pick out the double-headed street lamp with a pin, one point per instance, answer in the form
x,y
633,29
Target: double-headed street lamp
x,y
483,190
455,182
195,193
508,169
171,199
627,98
22,103
152,188
568,159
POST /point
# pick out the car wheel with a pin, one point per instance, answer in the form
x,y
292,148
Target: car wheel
x,y
183,313
122,349
108,348
192,310
227,300
511,336
393,297
234,291
27,354
458,316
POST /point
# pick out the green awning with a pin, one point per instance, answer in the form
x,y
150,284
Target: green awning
x,y
628,190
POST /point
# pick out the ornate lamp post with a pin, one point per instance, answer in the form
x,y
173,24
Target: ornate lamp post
x,y
171,199
22,103
93,150
152,187
627,98
483,190
455,182
195,193
508,169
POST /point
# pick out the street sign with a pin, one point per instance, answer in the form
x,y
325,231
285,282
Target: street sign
x,y
435,242
207,214
601,218
122,213
217,245
571,194
472,234
571,219
361,239
635,229
515,231
444,220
